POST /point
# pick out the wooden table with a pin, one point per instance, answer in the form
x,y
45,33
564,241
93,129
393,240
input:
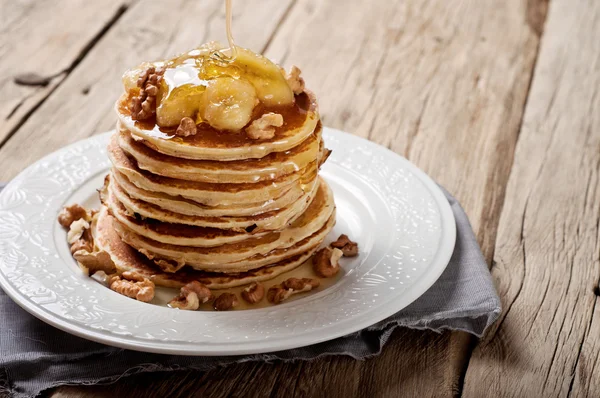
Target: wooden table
x,y
499,101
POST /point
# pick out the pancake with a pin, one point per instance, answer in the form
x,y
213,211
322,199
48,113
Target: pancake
x,y
189,207
206,193
247,254
272,166
300,120
122,205
188,256
127,258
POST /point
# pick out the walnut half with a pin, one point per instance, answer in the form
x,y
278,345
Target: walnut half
x,y
289,287
143,106
325,262
191,296
253,293
132,285
225,301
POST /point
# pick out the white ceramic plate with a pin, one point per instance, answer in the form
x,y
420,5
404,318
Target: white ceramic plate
x,y
400,218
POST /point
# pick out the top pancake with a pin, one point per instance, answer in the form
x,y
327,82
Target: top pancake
x,y
272,166
299,122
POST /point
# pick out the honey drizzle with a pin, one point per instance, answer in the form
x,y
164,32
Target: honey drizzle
x,y
221,55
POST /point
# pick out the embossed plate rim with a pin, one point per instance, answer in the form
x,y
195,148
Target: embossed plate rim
x,y
341,327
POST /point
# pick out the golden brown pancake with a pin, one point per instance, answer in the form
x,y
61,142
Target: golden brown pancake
x,y
174,240
300,120
267,221
206,193
272,166
188,207
127,258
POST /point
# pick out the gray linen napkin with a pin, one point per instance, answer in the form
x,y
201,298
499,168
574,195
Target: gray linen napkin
x,y
35,356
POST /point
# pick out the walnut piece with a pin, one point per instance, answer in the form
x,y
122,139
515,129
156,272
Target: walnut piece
x,y
82,245
325,262
92,262
132,285
263,128
294,80
225,301
253,293
191,296
170,266
349,248
143,106
289,287
72,213
187,127
76,230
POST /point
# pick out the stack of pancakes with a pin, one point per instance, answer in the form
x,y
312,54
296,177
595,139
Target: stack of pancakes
x,y
217,207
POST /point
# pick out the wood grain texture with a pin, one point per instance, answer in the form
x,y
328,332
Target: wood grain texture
x,y
443,83
547,255
83,103
47,39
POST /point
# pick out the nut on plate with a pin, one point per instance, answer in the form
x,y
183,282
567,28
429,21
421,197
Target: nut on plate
x,y
133,285
348,247
225,301
253,293
191,296
326,262
72,213
289,287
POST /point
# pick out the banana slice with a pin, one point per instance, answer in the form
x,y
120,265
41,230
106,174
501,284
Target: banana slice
x,y
266,77
228,103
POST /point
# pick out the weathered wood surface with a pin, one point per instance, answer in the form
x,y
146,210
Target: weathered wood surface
x,y
443,83
49,39
547,263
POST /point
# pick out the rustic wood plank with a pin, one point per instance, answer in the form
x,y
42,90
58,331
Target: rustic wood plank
x,y
442,83
547,256
47,39
83,103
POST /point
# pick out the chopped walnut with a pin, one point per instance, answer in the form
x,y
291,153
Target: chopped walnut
x,y
225,301
191,296
294,80
72,213
289,287
253,293
92,262
187,127
76,230
349,248
132,285
168,265
144,105
325,262
264,127
82,244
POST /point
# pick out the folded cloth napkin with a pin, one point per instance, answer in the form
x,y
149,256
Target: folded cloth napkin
x,y
35,356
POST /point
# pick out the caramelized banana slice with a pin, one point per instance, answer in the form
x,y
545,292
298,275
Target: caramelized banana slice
x,y
266,77
228,103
